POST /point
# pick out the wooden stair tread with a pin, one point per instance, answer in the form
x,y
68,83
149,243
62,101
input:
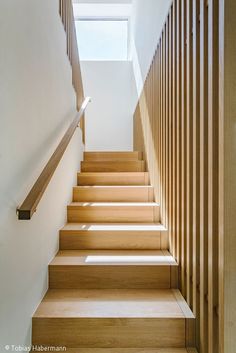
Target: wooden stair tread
x,y
111,304
112,284
113,258
113,166
113,204
113,212
117,227
113,178
116,236
114,155
113,187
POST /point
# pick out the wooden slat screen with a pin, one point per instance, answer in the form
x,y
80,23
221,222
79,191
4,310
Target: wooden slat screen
x,y
176,126
67,16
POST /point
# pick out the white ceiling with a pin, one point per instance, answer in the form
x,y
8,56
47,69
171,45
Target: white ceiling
x,y
89,10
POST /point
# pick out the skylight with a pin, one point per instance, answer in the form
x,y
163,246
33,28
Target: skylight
x,y
102,31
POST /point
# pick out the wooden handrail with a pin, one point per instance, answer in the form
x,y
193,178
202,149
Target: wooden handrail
x,y
28,207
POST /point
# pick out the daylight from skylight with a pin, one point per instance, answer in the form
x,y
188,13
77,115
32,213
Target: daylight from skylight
x,y
102,31
102,39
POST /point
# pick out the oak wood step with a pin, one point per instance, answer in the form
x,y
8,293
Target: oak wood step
x,y
113,166
113,212
122,178
117,236
111,156
112,319
113,194
74,269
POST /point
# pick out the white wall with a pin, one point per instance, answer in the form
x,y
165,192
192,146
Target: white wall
x,y
147,22
37,103
109,117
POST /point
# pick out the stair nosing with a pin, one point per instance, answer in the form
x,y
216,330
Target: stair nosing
x,y
78,258
159,227
118,204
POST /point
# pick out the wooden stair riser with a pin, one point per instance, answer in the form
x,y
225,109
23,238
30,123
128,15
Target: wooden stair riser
x,y
113,240
113,214
113,194
112,156
110,277
87,179
98,299
83,332
113,166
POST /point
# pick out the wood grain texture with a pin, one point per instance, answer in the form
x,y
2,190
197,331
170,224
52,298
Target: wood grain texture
x,y
113,237
28,207
76,332
111,269
102,303
112,276
109,318
213,175
113,194
196,168
113,166
111,156
113,212
182,107
227,180
124,178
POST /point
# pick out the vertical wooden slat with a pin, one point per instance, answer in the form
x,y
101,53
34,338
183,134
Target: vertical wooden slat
x,y
162,123
167,123
227,172
157,121
196,166
183,149
178,115
203,176
189,153
182,132
174,130
170,126
155,124
224,84
213,172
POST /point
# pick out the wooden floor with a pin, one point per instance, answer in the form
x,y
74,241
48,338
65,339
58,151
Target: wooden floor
x,y
113,286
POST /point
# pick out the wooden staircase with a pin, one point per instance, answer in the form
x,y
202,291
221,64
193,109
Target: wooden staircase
x,y
113,284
